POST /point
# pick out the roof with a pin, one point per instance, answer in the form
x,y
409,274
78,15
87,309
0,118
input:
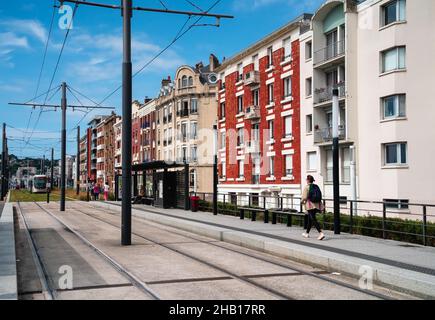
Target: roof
x,y
267,39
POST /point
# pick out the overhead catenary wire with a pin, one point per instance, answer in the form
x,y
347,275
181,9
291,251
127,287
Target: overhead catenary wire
x,y
179,35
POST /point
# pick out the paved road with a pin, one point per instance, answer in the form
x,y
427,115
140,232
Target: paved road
x,y
174,264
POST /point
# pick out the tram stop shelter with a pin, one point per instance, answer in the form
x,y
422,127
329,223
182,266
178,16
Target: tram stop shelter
x,y
163,184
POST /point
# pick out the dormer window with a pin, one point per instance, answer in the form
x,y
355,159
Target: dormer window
x,y
184,82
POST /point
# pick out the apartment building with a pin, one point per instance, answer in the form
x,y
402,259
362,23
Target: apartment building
x,y
95,143
148,127
379,55
185,115
106,150
117,129
259,117
83,162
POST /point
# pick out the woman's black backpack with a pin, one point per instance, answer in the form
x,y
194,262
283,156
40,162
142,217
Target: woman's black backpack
x,y
314,194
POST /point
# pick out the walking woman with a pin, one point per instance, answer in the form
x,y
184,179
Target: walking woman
x,y
312,199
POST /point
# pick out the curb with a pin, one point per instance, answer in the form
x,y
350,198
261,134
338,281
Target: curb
x,y
406,281
8,262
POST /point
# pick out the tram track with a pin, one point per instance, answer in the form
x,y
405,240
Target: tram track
x,y
49,289
246,254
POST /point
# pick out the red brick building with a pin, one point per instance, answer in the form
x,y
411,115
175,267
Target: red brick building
x,y
259,119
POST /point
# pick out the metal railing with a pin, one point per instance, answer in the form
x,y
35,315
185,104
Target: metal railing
x,y
329,52
325,134
322,95
414,223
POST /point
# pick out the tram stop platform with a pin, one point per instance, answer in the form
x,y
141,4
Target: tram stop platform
x,y
8,271
398,265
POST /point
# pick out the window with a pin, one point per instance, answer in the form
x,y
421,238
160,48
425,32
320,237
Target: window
x,y
256,98
288,127
222,110
240,136
309,87
184,153
393,59
184,82
194,153
270,93
190,82
345,165
271,129
309,123
255,62
395,154
312,161
329,165
241,166
223,140
193,106
288,165
271,166
393,106
184,131
287,87
287,49
308,50
269,56
240,70
194,130
192,178
396,203
255,132
239,104
393,11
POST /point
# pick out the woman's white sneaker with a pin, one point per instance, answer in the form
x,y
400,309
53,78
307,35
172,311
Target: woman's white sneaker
x,y
321,236
305,235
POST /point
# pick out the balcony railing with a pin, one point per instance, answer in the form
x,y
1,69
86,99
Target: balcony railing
x,y
322,95
329,52
252,78
252,146
252,113
325,134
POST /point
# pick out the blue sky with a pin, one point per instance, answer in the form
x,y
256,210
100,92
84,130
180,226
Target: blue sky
x,y
91,62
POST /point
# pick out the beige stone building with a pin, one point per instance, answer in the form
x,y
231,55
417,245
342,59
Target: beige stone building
x,y
186,111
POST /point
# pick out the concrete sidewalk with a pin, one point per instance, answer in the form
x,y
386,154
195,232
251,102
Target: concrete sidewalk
x,y
8,270
403,266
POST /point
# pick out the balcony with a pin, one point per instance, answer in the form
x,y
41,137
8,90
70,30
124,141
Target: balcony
x,y
183,113
324,95
186,90
329,53
252,78
252,113
252,146
324,135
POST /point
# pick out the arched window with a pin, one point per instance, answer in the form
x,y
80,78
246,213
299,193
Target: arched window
x,y
190,81
184,81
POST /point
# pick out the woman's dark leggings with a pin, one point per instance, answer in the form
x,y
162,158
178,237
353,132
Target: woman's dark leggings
x,y
313,221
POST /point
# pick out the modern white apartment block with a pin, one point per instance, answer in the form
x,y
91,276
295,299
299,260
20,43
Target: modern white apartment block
x,y
380,55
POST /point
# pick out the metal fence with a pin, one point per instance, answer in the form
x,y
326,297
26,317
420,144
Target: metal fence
x,y
407,222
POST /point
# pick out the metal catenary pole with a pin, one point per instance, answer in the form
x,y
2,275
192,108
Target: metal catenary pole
x,y
78,162
215,172
63,149
126,124
335,161
3,171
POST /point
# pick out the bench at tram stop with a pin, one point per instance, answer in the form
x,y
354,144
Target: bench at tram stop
x,y
274,213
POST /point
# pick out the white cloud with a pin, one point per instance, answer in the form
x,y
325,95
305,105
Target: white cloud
x,y
253,4
11,40
29,27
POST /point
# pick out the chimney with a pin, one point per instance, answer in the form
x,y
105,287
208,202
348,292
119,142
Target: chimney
x,y
199,66
166,82
214,62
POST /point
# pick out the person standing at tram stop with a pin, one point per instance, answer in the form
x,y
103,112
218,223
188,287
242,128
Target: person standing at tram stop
x,y
312,200
96,191
106,191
